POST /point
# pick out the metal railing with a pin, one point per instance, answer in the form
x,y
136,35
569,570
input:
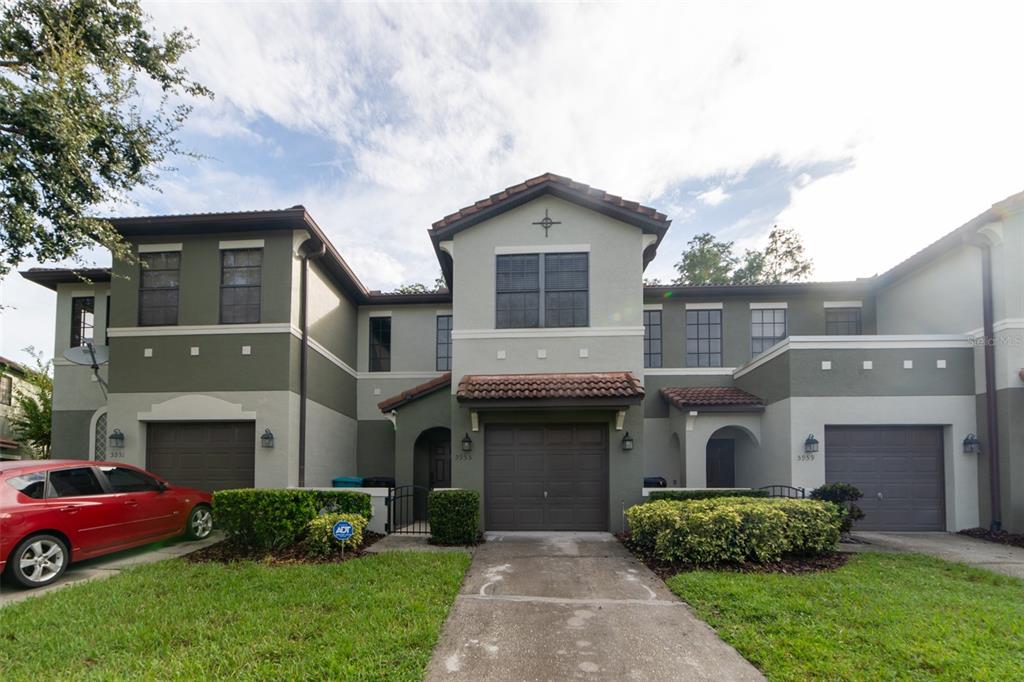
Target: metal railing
x,y
407,510
785,491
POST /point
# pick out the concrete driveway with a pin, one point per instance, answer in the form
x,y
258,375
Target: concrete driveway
x,y
106,566
1004,559
557,606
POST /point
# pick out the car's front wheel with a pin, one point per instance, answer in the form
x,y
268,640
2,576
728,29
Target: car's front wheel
x,y
200,523
38,560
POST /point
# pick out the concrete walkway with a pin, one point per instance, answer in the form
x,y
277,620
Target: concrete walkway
x,y
1004,559
558,606
106,566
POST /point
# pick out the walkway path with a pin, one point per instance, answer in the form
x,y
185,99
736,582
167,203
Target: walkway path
x,y
558,606
1004,559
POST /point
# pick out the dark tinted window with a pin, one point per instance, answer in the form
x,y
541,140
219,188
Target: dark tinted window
x,y
380,344
518,291
158,288
842,321
33,485
444,343
652,338
74,482
240,279
767,328
83,309
124,480
704,338
566,280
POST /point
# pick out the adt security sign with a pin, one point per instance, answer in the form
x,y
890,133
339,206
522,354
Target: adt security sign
x,y
342,531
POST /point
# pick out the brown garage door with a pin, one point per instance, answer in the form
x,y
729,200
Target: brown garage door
x,y
204,455
546,477
898,468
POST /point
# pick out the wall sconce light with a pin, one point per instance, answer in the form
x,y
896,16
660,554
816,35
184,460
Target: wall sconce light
x,y
971,444
811,444
627,441
267,439
116,439
467,443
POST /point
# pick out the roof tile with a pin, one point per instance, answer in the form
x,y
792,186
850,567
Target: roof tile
x,y
709,396
418,391
548,386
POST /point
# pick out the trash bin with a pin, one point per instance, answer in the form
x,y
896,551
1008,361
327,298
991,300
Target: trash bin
x,y
655,482
378,482
348,482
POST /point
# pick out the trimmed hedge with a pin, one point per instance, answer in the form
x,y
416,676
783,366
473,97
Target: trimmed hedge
x,y
272,518
679,495
320,540
454,516
733,529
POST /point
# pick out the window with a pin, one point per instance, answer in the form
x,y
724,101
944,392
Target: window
x,y
124,480
6,389
74,482
158,288
842,321
562,277
33,485
652,338
82,320
767,328
703,338
240,275
444,343
380,344
106,324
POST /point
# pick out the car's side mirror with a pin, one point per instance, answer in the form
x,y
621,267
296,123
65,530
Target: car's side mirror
x,y
161,486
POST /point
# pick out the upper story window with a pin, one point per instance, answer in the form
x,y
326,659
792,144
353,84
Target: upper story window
x,y
241,272
83,312
767,328
652,338
444,343
380,344
703,338
562,278
158,288
6,389
842,321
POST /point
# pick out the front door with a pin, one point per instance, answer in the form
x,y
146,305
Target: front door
x,y
721,463
441,464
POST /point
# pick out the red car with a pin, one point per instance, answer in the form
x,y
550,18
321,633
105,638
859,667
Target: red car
x,y
56,511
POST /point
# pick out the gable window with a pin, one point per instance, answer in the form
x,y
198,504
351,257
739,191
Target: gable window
x,y
380,344
703,338
241,273
83,309
652,338
158,288
842,321
562,278
6,389
444,343
767,328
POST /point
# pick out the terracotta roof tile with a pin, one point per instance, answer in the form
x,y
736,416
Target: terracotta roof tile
x,y
548,386
568,183
709,396
418,391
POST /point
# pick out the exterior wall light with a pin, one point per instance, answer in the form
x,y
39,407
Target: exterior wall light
x,y
116,439
971,444
467,443
627,441
267,439
811,444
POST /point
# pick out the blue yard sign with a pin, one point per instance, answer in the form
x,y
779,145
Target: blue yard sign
x,y
342,531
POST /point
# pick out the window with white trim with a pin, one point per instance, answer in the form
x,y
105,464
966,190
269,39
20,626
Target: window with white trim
x,y
241,272
380,344
159,277
444,343
767,328
542,290
842,321
703,338
83,320
652,338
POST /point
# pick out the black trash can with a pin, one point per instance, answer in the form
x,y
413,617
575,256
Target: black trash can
x,y
378,482
655,482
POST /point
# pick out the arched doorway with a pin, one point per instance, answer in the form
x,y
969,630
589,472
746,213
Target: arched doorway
x,y
432,464
730,448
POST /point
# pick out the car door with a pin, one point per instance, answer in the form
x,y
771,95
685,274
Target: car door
x,y
154,512
83,511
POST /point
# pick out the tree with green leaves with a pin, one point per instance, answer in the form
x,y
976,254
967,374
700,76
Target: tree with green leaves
x,y
75,134
421,288
710,261
33,406
705,261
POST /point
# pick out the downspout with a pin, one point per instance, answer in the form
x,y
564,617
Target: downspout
x,y
991,416
311,249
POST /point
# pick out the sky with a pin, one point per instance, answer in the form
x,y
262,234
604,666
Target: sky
x,y
872,129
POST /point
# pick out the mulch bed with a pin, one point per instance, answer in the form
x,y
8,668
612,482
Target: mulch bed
x,y
999,536
227,552
790,565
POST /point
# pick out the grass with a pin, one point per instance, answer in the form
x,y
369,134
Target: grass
x,y
375,618
880,617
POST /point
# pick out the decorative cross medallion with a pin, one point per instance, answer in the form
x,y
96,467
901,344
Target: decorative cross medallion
x,y
546,222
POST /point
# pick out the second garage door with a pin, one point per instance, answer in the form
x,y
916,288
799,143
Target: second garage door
x,y
205,455
898,468
546,477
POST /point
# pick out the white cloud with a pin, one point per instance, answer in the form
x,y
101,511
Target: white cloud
x,y
713,196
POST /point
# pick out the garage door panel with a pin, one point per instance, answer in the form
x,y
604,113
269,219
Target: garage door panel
x,y
204,455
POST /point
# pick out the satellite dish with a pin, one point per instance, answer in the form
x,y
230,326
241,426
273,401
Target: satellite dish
x,y
90,356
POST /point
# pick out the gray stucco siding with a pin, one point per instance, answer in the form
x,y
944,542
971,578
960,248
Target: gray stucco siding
x,y
1010,407
329,384
887,376
70,434
376,448
770,381
413,336
433,410
943,297
332,317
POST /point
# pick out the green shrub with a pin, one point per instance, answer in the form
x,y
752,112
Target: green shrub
x,y
703,494
843,495
271,518
454,516
733,529
320,540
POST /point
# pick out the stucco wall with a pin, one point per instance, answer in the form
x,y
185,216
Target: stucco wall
x,y
942,298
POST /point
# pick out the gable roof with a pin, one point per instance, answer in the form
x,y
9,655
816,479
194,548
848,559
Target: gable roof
x,y
415,393
566,385
721,397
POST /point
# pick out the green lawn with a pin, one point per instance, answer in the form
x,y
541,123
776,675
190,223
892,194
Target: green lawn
x,y
880,617
375,618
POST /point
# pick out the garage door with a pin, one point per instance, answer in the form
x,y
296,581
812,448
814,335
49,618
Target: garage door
x,y
546,477
898,468
204,455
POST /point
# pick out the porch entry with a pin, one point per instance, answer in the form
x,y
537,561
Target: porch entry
x,y
721,463
432,468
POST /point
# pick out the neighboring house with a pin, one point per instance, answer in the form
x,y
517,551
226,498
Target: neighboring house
x,y
12,382
549,378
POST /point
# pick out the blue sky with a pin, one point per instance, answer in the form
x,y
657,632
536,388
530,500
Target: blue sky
x,y
871,129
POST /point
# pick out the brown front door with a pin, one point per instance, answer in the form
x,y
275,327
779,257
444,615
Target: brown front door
x,y
721,462
441,464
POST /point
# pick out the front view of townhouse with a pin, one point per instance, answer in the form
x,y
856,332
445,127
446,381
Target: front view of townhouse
x,y
245,352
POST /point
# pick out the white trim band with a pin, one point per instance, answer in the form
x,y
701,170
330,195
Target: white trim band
x,y
769,306
378,313
241,244
546,332
844,304
545,248
689,371
705,306
653,306
201,329
159,248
